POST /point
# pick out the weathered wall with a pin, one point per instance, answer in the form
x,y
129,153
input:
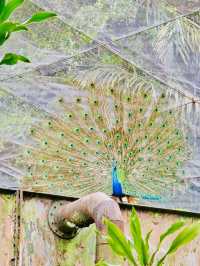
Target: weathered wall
x,y
7,228
40,247
159,222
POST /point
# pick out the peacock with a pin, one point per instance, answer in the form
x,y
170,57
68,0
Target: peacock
x,y
122,140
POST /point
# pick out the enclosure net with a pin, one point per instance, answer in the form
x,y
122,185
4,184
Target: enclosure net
x,y
112,85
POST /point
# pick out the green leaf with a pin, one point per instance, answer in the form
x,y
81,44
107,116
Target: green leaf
x,y
139,243
147,241
3,38
40,16
12,59
103,263
118,242
7,28
184,237
9,8
172,229
2,4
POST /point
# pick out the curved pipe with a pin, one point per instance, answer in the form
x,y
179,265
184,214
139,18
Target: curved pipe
x,y
69,217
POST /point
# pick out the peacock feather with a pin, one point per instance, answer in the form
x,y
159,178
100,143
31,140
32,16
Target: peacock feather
x,y
125,137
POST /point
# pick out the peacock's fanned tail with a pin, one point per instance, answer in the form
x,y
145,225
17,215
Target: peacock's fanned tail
x,y
75,151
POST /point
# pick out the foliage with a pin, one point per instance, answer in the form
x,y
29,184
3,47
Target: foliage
x,y
182,35
137,251
8,27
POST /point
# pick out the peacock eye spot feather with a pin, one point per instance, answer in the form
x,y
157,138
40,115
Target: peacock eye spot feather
x,y
99,117
156,109
126,145
78,100
116,106
162,95
111,91
141,110
118,136
98,142
128,99
104,131
71,145
109,145
28,152
87,140
129,130
62,134
77,130
130,114
170,112
70,115
95,102
116,121
32,131
139,124
145,95
92,85
45,142
91,129
60,100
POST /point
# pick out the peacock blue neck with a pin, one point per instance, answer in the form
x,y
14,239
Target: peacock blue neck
x,y
116,182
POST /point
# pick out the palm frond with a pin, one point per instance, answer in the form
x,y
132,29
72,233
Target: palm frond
x,y
180,37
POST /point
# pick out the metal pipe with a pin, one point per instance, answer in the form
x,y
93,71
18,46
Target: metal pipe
x,y
65,219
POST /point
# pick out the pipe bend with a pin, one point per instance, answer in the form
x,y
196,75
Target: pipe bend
x,y
69,217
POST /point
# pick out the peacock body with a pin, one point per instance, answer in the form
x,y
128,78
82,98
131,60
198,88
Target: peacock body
x,y
122,142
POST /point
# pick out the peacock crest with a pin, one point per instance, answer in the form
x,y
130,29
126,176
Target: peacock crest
x,y
129,129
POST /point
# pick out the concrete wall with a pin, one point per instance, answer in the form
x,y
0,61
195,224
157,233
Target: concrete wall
x,y
25,237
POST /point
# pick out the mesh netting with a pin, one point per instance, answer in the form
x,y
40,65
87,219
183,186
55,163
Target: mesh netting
x,y
112,86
